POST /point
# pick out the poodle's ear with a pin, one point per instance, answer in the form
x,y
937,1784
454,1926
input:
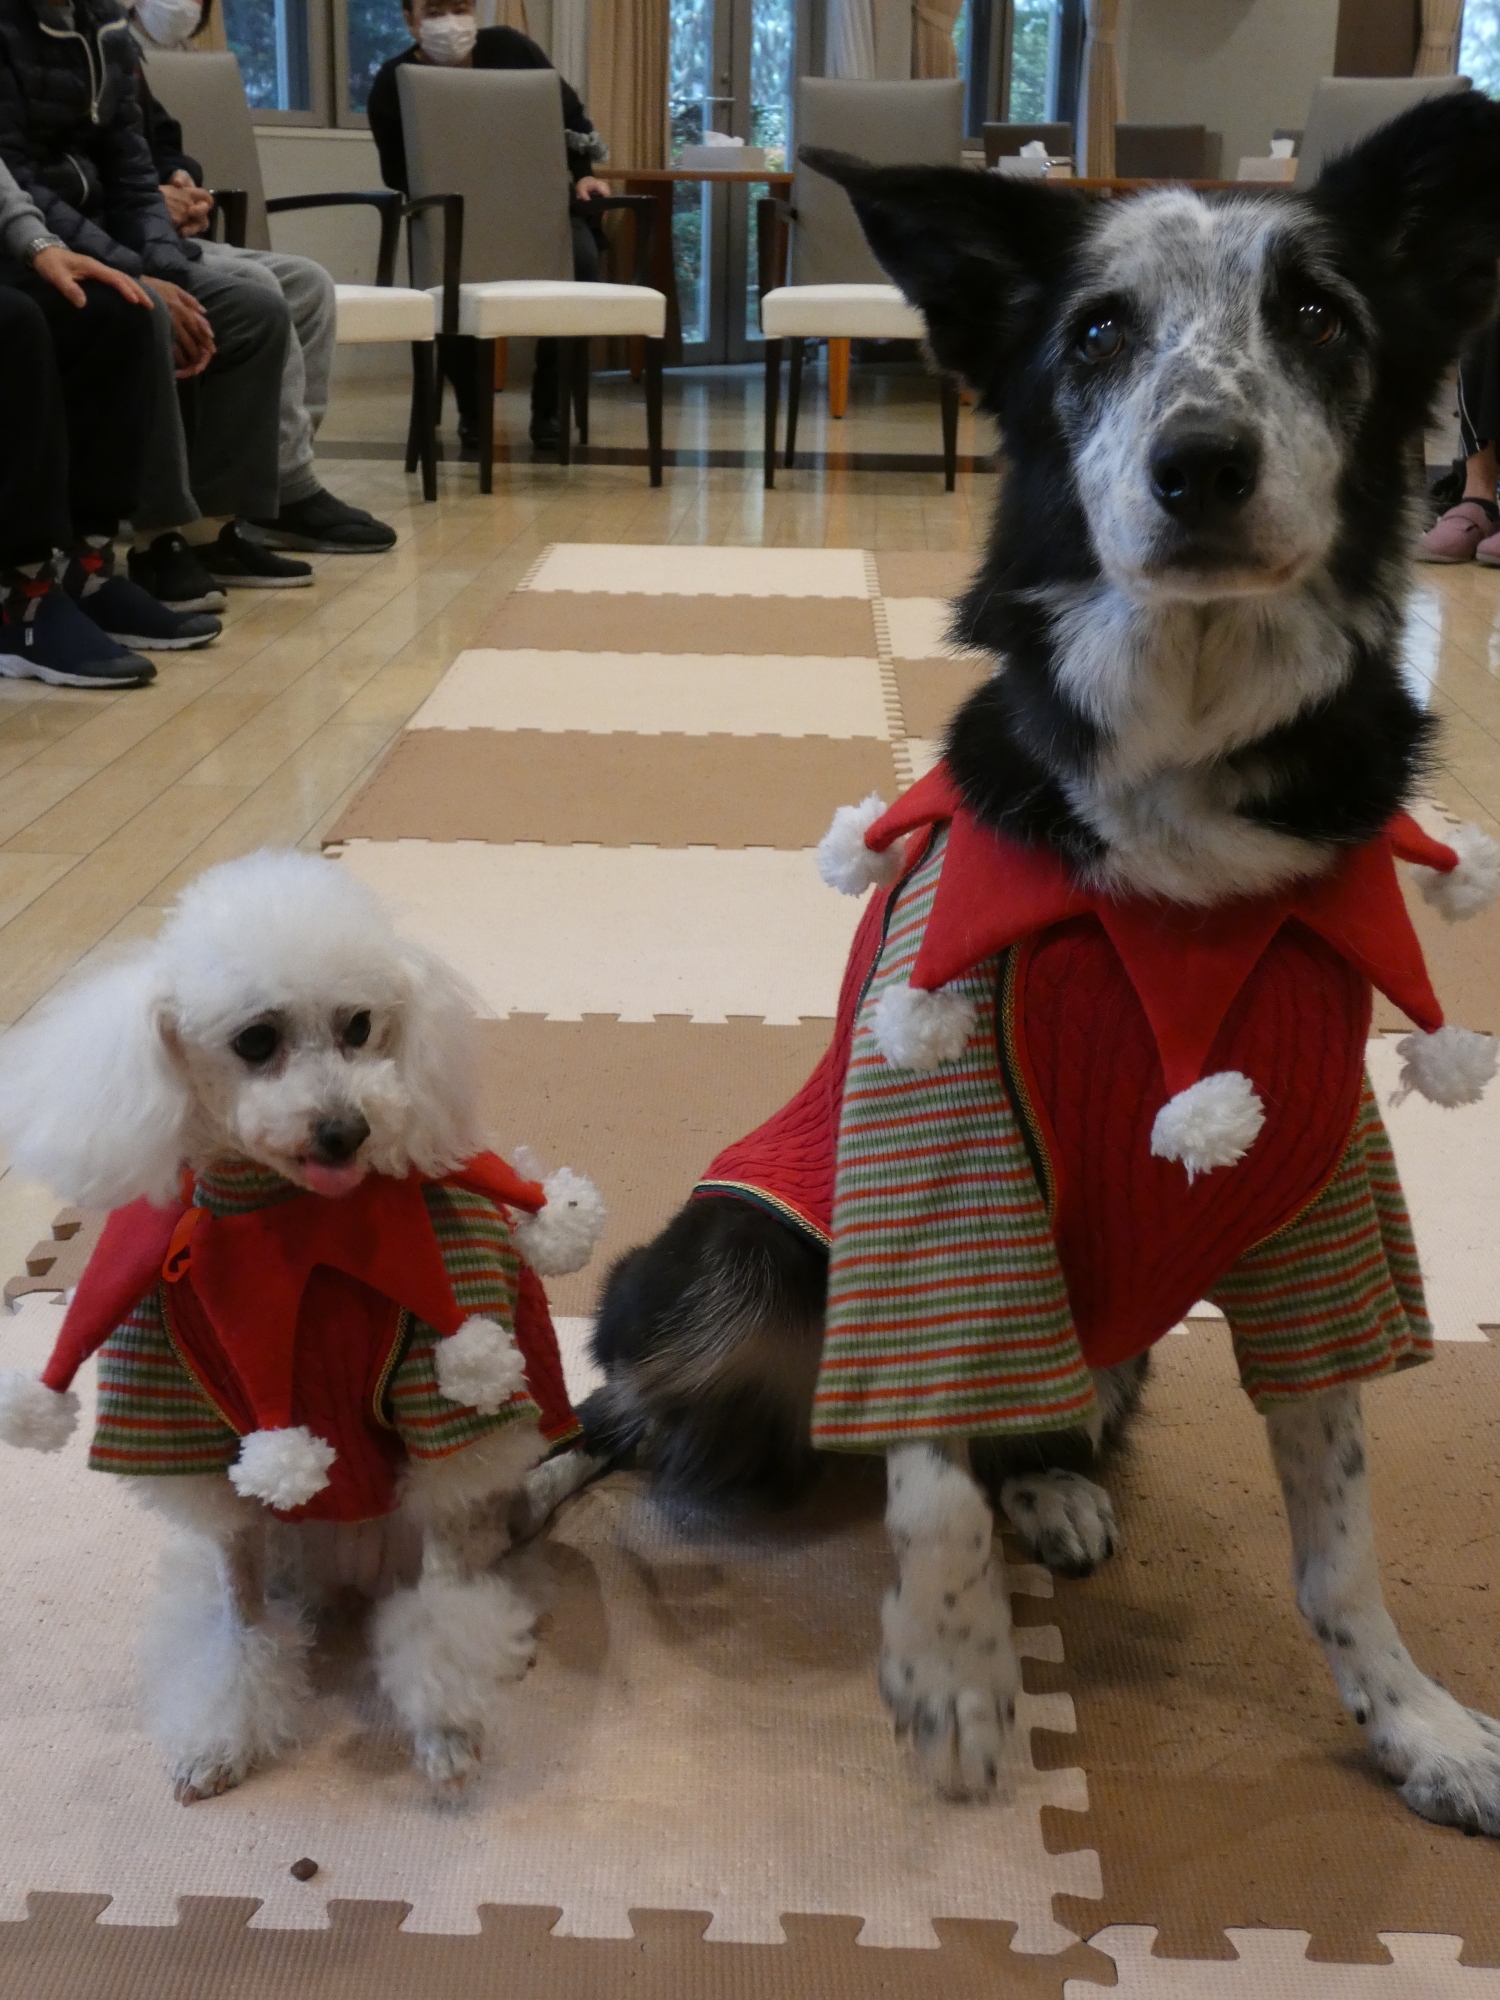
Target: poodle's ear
x,y
438,1061
93,1101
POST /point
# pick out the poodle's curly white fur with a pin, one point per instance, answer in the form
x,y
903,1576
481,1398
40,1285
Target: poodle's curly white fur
x,y
279,1018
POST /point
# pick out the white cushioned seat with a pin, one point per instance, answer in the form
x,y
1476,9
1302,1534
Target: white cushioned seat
x,y
555,308
839,312
371,313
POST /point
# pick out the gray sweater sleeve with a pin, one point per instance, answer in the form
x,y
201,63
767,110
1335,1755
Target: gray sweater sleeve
x,y
21,221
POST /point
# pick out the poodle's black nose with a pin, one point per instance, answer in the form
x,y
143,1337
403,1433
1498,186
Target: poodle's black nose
x,y
1201,474
335,1140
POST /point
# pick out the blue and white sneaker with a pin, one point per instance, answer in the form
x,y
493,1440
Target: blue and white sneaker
x,y
45,637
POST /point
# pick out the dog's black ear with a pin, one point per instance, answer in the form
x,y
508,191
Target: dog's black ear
x,y
1416,204
974,252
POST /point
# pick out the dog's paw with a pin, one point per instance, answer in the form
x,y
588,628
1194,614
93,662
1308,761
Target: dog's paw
x,y
207,1777
1445,1757
1065,1520
449,1759
951,1683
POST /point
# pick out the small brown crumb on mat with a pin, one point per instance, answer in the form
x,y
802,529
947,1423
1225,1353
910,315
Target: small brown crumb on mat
x,y
305,1869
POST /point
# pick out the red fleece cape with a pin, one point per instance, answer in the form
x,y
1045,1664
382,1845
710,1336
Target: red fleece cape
x,y
1187,966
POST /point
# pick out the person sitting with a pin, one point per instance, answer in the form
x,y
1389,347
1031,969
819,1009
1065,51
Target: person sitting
x,y
309,517
77,383
70,133
77,374
1470,530
446,32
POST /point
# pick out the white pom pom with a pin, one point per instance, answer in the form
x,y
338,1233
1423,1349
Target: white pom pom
x,y
34,1417
479,1366
1470,887
285,1468
1213,1123
1449,1067
918,1030
845,863
563,1237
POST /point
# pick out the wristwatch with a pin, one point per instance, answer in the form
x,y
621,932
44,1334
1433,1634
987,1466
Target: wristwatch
x,y
38,244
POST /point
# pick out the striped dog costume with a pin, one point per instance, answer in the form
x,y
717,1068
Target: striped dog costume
x,y
999,1224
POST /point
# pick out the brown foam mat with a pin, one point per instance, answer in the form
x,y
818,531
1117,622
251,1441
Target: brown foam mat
x,y
606,622
62,1953
925,572
930,690
57,1264
642,1107
618,790
1226,1785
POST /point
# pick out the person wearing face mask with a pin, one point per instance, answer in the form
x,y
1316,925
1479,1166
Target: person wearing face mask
x,y
445,32
309,517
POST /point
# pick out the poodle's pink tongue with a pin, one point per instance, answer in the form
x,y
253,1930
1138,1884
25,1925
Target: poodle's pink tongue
x,y
333,1181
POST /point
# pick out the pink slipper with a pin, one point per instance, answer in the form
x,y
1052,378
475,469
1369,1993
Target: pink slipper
x,y
1488,552
1456,538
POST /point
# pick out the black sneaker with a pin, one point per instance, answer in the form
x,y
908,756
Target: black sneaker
x,y
45,637
546,435
129,614
246,565
325,525
171,572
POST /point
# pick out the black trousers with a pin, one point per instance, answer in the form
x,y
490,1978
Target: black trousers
x,y
76,399
458,352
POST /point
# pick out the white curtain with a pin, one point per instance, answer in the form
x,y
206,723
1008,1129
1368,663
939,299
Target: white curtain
x,y
1103,97
1438,53
851,39
570,43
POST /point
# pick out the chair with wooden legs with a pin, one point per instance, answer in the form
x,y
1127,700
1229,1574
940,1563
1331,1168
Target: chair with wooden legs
x,y
819,280
496,136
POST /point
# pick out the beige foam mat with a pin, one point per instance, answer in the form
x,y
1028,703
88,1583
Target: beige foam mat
x,y
919,628
701,1730
1226,1786
931,689
649,693
641,1107
687,570
619,790
564,621
633,931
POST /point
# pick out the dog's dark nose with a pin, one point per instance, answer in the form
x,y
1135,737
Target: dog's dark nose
x,y
335,1140
1202,474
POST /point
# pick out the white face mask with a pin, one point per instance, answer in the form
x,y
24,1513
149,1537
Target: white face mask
x,y
169,23
445,38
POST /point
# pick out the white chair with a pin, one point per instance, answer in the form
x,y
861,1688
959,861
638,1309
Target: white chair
x,y
838,292
205,92
497,137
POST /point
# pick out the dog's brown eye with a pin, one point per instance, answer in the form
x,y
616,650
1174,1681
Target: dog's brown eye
x,y
1102,340
358,1031
1316,324
256,1044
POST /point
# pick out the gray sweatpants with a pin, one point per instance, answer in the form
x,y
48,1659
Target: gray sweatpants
x,y
215,451
308,291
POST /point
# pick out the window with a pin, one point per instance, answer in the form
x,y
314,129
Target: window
x,y
1479,45
275,59
1021,60
284,48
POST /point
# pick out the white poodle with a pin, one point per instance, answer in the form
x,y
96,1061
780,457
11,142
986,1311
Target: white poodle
x,y
324,1351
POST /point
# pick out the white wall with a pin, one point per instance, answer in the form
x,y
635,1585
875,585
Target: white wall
x,y
1240,67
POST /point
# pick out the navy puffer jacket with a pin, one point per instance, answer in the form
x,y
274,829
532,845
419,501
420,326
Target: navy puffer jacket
x,y
71,133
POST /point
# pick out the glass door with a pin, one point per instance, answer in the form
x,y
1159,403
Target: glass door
x,y
733,66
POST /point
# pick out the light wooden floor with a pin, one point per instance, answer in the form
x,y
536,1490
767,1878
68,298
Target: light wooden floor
x,y
108,804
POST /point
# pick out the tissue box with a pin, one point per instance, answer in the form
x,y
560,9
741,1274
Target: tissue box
x,y
727,159
1018,167
1272,169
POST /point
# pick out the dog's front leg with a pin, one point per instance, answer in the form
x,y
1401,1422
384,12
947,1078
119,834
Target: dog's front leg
x,y
225,1667
1445,1757
948,1668
442,1649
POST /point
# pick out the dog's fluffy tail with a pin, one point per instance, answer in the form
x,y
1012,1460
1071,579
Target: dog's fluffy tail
x,y
709,1339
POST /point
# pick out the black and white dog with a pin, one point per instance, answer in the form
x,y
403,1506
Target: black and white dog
x,y
1194,596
